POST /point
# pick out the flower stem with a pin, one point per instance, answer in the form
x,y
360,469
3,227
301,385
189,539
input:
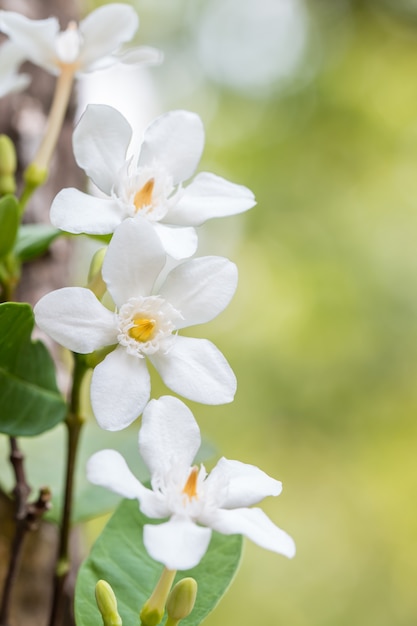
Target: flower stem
x,y
36,172
153,610
74,423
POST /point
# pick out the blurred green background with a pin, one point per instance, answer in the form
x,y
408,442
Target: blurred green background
x,y
313,105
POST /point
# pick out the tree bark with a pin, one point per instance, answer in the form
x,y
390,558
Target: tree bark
x,y
23,118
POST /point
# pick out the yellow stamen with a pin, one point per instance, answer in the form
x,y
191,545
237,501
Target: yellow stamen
x,y
143,329
143,197
190,487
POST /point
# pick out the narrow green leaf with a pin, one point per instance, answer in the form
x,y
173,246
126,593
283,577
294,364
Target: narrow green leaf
x,y
33,240
9,223
30,400
120,558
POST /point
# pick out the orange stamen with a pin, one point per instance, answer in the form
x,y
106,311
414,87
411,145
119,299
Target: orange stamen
x,y
143,197
190,487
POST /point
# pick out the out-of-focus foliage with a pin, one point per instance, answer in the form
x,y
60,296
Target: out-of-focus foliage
x,y
323,331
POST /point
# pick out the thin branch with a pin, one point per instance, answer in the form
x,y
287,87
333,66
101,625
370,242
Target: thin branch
x,y
27,517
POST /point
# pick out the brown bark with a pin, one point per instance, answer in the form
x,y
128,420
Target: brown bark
x,y
23,117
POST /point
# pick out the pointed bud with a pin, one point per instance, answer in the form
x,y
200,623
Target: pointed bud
x,y
95,280
8,164
107,604
181,600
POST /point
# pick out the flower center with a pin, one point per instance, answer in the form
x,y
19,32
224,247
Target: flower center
x,y
190,487
143,328
143,197
146,325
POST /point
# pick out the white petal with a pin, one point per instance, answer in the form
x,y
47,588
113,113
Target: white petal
x,y
35,37
168,433
76,319
179,243
108,468
120,389
178,544
175,141
197,370
133,260
104,30
201,288
209,196
78,212
246,484
254,524
100,142
141,54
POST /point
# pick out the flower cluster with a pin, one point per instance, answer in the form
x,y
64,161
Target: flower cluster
x,y
151,214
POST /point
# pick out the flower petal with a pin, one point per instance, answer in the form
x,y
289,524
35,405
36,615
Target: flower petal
x,y
209,196
100,142
246,484
140,54
35,37
104,30
175,141
179,243
108,468
169,434
11,56
178,544
78,212
201,288
76,319
133,260
254,524
197,370
120,389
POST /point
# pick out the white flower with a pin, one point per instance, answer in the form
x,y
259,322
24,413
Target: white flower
x,y
150,185
168,442
11,56
91,45
145,325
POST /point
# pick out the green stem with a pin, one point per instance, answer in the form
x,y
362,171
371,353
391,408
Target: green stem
x,y
74,423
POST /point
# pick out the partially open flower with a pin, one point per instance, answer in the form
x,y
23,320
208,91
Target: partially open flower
x,y
91,45
145,325
196,503
149,185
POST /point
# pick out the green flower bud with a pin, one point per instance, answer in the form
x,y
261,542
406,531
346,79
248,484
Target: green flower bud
x,y
8,161
8,164
181,600
95,279
107,604
35,176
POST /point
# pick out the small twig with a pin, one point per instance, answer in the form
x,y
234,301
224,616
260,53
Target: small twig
x,y
21,490
27,517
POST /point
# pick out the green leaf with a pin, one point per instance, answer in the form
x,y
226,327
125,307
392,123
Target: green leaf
x,y
33,240
30,400
9,223
120,558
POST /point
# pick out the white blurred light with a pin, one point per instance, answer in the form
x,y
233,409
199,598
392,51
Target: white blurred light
x,y
252,44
